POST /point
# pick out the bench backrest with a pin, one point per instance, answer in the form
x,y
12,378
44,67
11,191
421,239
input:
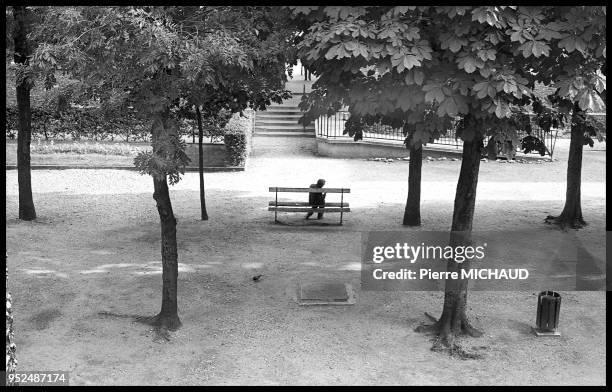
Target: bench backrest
x,y
311,190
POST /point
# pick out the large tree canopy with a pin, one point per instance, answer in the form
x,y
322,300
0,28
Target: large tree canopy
x,y
152,57
398,63
160,60
419,67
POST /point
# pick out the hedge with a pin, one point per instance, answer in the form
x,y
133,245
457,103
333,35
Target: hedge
x,y
76,123
237,138
80,123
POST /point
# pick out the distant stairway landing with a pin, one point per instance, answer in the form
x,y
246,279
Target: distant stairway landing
x,y
281,120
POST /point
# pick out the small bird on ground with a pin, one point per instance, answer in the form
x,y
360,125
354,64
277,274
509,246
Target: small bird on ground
x,y
257,277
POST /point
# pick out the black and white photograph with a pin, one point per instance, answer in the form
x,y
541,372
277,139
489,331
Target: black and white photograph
x,y
305,195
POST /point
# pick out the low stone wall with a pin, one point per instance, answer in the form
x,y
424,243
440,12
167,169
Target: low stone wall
x,y
347,148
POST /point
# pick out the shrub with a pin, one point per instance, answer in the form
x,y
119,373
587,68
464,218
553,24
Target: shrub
x,y
77,123
237,139
235,144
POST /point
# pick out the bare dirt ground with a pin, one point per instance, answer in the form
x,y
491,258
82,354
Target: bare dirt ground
x,y
92,260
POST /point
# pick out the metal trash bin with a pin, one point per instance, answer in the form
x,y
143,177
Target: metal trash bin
x,y
547,317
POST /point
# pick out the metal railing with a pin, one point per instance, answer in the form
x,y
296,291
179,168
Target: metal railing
x,y
332,127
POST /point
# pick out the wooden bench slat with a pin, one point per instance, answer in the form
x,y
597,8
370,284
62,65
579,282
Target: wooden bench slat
x,y
311,190
304,203
306,209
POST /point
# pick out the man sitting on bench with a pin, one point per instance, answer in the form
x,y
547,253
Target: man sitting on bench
x,y
316,200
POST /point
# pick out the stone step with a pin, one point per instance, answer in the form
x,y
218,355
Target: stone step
x,y
279,116
286,106
271,115
281,126
276,121
280,113
294,101
283,131
285,134
281,110
293,124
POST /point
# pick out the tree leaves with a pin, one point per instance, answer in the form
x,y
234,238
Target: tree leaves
x,y
599,81
535,48
419,76
333,51
157,57
408,62
489,15
550,31
409,98
435,53
572,42
589,99
453,106
404,61
452,42
343,12
469,63
485,88
502,109
487,54
434,93
347,49
584,91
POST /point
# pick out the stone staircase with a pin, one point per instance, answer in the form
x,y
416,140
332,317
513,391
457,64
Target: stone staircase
x,y
281,120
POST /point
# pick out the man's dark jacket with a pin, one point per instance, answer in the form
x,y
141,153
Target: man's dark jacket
x,y
316,199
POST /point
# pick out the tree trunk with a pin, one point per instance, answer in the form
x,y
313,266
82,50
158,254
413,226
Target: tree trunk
x,y
24,137
168,316
571,216
454,320
201,165
412,213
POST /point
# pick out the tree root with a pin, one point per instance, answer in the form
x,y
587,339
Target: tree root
x,y
170,323
565,223
432,318
468,329
455,350
162,325
444,339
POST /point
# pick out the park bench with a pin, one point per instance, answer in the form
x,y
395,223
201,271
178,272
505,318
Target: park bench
x,y
298,206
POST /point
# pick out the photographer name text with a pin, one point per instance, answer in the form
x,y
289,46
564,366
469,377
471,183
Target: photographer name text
x,y
473,273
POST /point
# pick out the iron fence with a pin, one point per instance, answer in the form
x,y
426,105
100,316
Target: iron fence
x,y
333,127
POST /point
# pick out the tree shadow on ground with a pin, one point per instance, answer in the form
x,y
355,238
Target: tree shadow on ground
x,y
43,319
161,333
